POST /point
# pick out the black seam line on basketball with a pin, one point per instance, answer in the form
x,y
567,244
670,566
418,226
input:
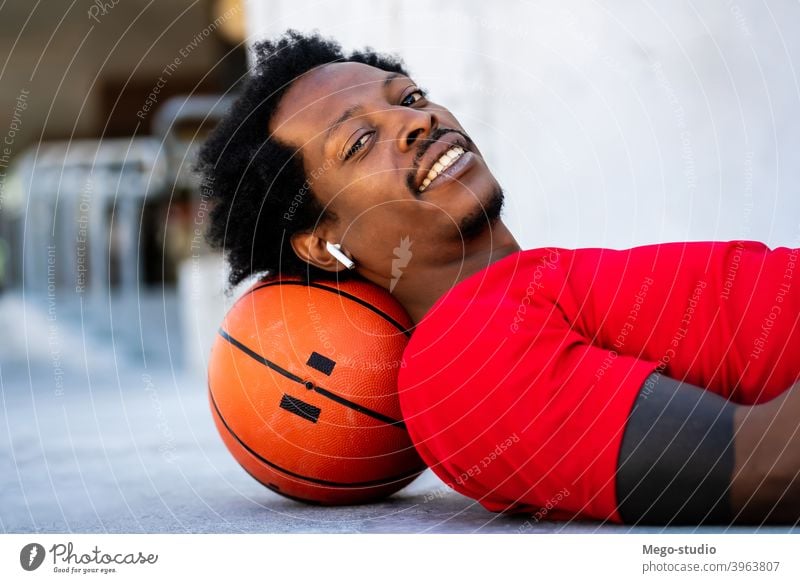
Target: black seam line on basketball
x,y
275,488
324,392
279,491
357,407
356,299
275,466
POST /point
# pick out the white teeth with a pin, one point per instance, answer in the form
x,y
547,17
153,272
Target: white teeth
x,y
443,162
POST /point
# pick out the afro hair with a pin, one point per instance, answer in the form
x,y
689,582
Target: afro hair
x,y
256,186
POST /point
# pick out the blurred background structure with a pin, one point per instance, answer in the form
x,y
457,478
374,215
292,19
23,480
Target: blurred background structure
x,y
100,210
609,124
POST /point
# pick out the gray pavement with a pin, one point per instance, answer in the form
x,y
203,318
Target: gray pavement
x,y
104,443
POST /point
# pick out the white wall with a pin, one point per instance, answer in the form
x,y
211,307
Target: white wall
x,y
608,123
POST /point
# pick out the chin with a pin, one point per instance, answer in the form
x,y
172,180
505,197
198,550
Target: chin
x,y
483,216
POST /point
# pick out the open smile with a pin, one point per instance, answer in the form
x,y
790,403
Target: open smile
x,y
448,166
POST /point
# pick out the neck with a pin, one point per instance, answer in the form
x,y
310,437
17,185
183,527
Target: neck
x,y
432,281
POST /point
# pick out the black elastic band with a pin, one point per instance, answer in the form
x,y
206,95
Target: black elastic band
x,y
677,458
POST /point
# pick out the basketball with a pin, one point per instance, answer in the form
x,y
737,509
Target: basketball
x,y
303,390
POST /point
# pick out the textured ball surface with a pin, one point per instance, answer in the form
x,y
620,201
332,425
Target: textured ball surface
x,y
303,390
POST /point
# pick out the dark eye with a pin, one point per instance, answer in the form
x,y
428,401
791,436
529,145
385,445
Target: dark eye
x,y
413,97
360,143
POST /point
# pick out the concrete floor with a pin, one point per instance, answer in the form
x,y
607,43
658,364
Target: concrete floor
x,y
115,446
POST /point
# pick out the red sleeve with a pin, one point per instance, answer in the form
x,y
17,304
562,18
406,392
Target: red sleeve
x,y
509,404
518,383
719,315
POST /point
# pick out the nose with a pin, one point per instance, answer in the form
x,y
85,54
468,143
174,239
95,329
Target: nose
x,y
415,125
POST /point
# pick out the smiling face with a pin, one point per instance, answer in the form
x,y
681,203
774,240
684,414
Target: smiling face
x,y
390,165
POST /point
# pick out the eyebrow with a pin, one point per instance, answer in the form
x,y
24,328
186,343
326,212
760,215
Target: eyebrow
x,y
390,77
348,113
355,109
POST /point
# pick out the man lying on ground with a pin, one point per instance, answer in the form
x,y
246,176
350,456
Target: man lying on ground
x,y
644,385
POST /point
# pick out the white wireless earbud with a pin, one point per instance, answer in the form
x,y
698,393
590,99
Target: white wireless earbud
x,y
335,250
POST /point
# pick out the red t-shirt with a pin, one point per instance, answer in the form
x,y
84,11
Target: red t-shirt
x,y
517,384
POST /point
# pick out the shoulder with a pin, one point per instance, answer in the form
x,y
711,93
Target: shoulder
x,y
479,317
490,290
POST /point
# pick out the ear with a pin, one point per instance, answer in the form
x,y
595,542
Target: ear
x,y
310,247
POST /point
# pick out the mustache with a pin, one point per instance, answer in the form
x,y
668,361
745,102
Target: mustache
x,y
435,136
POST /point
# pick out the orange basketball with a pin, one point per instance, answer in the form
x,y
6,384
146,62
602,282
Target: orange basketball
x,y
303,390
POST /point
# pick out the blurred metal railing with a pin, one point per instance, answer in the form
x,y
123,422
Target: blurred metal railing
x,y
100,220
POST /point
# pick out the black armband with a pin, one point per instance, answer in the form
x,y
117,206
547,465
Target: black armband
x,y
676,459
